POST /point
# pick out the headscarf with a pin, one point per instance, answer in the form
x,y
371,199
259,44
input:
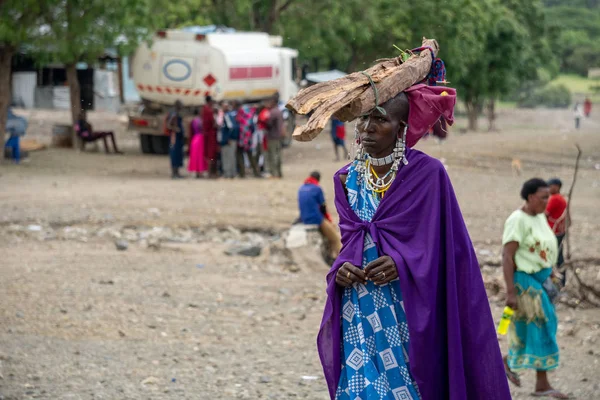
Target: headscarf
x,y
427,104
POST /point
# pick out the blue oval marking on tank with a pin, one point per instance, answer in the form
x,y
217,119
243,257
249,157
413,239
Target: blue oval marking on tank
x,y
183,77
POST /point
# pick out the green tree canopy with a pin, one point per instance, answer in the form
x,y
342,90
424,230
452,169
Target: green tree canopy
x,y
82,30
574,32
20,22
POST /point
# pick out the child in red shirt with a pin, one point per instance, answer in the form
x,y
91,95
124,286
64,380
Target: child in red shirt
x,y
556,212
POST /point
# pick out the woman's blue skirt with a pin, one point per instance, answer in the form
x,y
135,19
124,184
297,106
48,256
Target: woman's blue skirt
x,y
532,333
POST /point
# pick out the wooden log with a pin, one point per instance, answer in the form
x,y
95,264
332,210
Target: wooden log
x,y
313,96
353,95
412,71
320,118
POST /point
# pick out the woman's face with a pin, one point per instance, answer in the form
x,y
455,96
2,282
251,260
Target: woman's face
x,y
378,131
537,202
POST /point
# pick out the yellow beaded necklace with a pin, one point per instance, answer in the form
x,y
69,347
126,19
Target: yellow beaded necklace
x,y
386,187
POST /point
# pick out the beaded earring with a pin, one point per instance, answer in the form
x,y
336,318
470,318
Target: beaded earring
x,y
361,166
359,147
400,149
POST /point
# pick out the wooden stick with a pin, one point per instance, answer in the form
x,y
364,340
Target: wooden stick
x,y
569,196
354,95
584,289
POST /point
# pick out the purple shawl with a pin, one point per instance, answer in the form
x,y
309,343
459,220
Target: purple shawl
x,y
454,353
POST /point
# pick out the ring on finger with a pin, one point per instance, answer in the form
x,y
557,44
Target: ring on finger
x,y
348,275
384,275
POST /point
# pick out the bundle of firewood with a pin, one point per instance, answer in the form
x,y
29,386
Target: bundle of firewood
x,y
356,94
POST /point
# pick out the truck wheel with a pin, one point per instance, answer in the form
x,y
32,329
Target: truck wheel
x,y
146,143
160,144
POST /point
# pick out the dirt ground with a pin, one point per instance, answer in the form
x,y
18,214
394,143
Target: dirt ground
x,y
175,318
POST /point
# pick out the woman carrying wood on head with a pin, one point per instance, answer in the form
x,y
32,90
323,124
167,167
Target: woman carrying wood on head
x,y
407,315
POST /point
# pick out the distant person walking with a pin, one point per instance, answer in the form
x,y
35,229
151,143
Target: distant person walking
x,y
176,136
274,138
587,107
578,114
530,250
556,212
209,127
338,136
197,162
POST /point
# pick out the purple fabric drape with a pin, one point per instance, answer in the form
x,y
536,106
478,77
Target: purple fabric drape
x,y
454,352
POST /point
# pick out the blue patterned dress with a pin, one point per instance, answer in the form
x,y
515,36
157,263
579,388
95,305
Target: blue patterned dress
x,y
375,338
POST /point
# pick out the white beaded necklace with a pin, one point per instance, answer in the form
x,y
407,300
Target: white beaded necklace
x,y
378,162
365,161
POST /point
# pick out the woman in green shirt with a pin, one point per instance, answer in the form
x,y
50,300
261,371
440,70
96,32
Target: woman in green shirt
x,y
530,252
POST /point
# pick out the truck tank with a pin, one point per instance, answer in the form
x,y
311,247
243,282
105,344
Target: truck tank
x,y
192,63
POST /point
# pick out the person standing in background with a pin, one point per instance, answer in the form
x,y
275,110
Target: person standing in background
x,y
587,107
219,111
578,114
274,138
556,212
338,134
245,119
230,133
259,140
176,134
529,253
209,127
197,162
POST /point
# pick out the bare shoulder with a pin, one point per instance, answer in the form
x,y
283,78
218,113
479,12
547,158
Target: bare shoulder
x,y
343,178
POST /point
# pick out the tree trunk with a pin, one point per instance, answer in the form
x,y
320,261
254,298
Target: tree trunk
x,y
6,53
270,19
491,114
473,113
75,94
120,80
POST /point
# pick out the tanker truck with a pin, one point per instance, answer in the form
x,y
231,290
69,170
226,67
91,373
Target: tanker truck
x,y
190,64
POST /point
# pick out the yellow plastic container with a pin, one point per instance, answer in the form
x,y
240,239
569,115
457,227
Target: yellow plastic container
x,y
505,321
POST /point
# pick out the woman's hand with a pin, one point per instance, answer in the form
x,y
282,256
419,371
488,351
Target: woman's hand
x,y
348,275
509,267
382,270
511,300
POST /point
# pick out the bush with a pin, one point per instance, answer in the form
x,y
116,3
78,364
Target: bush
x,y
553,96
583,59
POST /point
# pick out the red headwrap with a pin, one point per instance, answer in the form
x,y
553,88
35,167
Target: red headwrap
x,y
427,105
